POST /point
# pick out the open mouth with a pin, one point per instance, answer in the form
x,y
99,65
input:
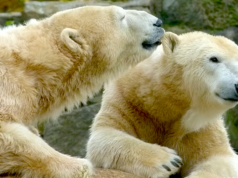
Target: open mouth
x,y
235,99
150,45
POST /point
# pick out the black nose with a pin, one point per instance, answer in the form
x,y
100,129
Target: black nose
x,y
236,86
158,23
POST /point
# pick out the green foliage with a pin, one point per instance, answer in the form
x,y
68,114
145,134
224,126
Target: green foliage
x,y
9,22
231,120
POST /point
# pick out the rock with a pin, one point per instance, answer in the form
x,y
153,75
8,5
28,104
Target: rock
x,y
214,14
99,173
230,33
37,10
136,4
156,7
110,173
104,173
10,18
69,134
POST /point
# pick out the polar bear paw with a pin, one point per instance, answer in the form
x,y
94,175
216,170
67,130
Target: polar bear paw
x,y
84,169
172,165
162,163
76,168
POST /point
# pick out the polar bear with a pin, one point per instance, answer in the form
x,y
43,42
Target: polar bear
x,y
56,63
165,115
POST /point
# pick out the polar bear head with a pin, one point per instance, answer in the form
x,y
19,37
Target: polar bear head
x,y
207,67
116,38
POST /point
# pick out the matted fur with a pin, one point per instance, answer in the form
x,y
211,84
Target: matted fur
x,y
56,63
171,105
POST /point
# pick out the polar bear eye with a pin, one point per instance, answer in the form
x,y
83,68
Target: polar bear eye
x,y
214,59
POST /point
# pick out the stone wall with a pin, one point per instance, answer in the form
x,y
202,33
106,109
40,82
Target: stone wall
x,y
205,14
213,16
42,9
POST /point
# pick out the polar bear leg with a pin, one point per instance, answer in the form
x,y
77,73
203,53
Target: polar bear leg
x,y
111,148
24,153
217,167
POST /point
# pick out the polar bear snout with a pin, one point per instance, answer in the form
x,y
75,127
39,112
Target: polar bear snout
x,y
233,95
145,26
158,23
229,93
155,36
226,83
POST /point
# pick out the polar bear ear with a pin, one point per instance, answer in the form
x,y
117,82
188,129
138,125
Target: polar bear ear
x,y
170,41
73,41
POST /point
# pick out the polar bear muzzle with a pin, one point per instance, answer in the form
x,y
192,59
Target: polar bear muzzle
x,y
231,96
154,42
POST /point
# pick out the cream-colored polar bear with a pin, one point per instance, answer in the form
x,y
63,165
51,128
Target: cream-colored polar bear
x,y
171,104
56,63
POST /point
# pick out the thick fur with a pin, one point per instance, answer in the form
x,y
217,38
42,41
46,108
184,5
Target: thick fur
x,y
172,103
56,63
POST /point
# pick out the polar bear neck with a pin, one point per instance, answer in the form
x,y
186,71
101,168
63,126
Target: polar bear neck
x,y
78,82
162,101
194,120
57,80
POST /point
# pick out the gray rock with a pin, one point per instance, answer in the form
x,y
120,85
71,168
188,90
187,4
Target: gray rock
x,y
42,9
230,33
213,14
69,134
156,7
10,18
37,10
167,4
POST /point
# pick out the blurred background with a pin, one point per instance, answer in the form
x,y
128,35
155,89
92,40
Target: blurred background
x,y
70,133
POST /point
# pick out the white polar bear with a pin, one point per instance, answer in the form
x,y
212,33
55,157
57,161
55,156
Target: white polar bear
x,y
168,105
56,63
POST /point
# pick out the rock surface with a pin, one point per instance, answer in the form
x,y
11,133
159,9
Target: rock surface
x,y
230,33
10,18
35,9
69,134
100,173
215,14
